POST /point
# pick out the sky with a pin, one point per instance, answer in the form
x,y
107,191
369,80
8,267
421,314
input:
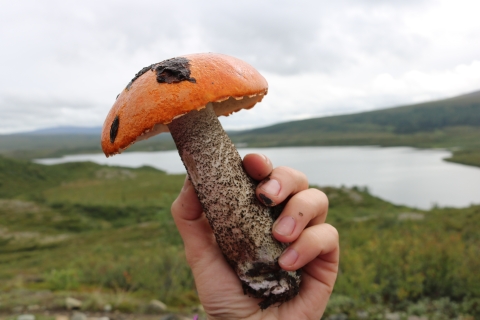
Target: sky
x,y
62,63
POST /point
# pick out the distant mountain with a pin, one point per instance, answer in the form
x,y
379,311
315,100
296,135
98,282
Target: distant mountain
x,y
65,130
428,124
458,111
452,123
462,110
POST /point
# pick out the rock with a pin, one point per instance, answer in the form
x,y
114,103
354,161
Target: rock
x,y
392,316
26,317
362,314
17,309
410,216
34,307
78,316
356,197
72,303
157,306
61,317
363,219
198,308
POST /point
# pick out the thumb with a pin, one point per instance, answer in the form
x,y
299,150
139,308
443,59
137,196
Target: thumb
x,y
187,207
193,226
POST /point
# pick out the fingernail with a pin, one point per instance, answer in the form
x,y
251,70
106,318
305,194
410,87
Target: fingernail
x,y
288,257
285,226
271,187
266,158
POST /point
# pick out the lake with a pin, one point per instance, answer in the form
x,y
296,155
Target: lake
x,y
402,175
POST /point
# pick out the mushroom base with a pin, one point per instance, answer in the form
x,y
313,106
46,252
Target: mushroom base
x,y
241,224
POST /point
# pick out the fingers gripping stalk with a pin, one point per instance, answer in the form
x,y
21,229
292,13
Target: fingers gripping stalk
x,y
241,224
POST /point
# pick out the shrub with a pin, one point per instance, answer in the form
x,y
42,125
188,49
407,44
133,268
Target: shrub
x,y
63,279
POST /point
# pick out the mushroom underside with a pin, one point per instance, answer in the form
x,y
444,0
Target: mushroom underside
x,y
241,224
222,107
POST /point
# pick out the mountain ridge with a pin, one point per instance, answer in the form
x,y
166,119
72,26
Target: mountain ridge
x,y
468,104
452,123
358,117
63,130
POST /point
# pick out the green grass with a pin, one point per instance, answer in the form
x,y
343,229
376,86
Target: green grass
x,y
83,227
105,235
468,157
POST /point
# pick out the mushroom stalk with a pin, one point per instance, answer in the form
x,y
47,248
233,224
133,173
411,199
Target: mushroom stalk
x,y
241,224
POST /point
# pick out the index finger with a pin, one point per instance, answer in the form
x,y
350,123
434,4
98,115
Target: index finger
x,y
257,166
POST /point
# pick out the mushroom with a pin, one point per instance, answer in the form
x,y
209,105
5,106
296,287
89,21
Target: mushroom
x,y
184,95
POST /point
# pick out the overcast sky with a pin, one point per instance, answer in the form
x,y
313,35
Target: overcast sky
x,y
64,62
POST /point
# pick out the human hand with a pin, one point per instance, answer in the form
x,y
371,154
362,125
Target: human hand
x,y
314,247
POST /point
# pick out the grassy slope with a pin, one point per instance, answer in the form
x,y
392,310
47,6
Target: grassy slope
x,y
424,117
89,228
101,222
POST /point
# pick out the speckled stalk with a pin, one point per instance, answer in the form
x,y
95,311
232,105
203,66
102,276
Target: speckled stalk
x,y
241,224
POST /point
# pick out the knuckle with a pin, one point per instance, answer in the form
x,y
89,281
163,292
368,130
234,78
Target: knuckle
x,y
323,197
319,193
283,171
298,177
321,200
314,198
176,209
306,199
332,231
174,206
317,236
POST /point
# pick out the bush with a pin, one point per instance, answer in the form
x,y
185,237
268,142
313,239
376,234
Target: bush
x,y
166,274
64,279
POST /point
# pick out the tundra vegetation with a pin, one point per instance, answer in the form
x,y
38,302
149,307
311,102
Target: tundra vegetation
x,y
105,235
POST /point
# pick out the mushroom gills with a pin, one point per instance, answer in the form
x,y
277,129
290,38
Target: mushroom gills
x,y
242,225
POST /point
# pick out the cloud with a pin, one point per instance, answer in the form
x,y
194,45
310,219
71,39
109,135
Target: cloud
x,y
22,112
327,57
297,97
418,86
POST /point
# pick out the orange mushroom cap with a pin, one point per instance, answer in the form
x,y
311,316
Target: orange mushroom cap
x,y
158,94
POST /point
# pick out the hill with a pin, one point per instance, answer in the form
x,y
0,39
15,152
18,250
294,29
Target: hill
x,y
452,123
370,127
65,130
50,145
459,111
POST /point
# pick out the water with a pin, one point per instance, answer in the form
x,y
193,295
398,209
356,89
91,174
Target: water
x,y
401,175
